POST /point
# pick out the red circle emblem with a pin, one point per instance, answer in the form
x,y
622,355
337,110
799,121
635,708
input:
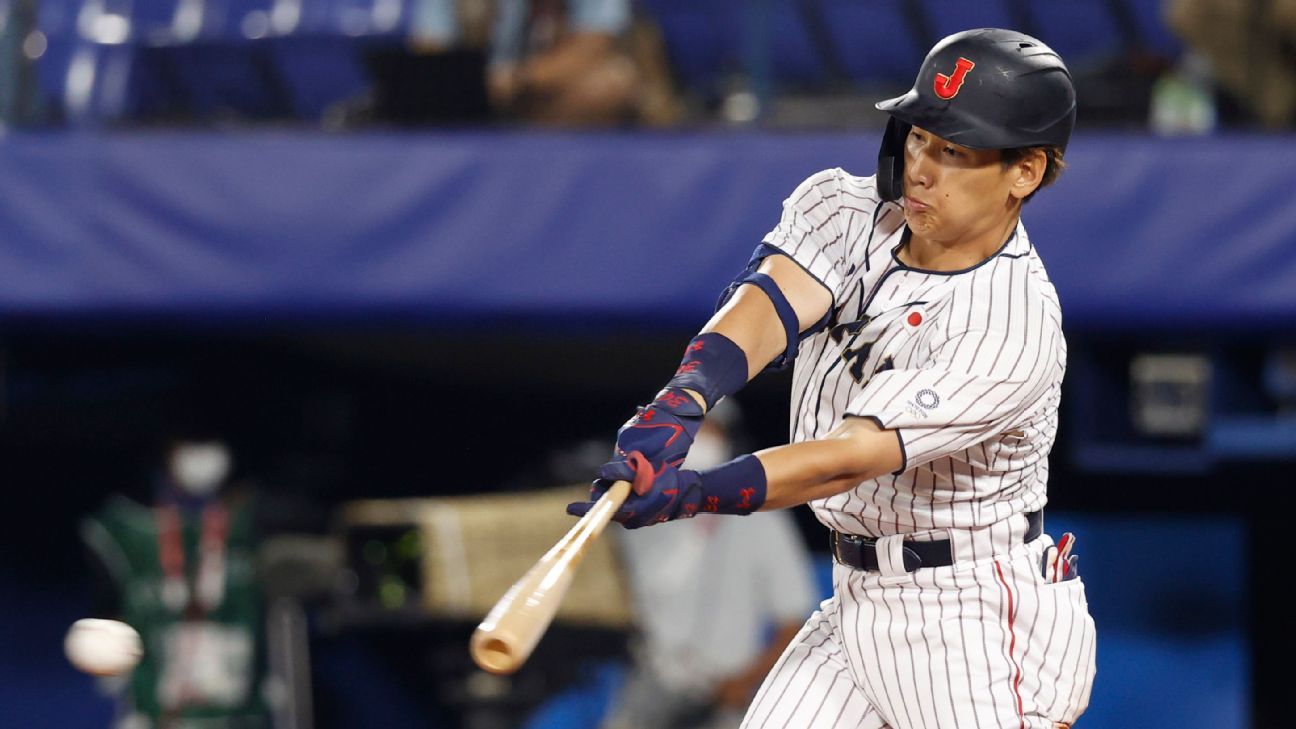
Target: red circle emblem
x,y
914,319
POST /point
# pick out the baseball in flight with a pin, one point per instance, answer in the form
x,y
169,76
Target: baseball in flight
x,y
103,647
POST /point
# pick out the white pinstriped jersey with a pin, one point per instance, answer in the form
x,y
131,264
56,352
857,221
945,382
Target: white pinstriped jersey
x,y
967,366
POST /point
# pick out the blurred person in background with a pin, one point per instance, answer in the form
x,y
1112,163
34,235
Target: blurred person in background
x,y
1248,47
578,63
181,572
437,26
717,601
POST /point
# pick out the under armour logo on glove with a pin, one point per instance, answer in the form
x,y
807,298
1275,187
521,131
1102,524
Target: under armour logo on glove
x,y
662,431
673,399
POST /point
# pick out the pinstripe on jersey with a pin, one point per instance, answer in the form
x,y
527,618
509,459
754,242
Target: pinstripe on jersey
x,y
965,365
992,645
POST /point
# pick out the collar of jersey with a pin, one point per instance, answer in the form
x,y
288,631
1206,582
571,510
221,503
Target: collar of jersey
x,y
1005,250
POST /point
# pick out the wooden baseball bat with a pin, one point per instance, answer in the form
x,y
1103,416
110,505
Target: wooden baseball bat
x,y
505,638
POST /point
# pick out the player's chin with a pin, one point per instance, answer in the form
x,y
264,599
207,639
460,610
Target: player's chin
x,y
921,222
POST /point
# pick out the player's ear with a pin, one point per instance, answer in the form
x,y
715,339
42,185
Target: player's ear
x,y
1026,172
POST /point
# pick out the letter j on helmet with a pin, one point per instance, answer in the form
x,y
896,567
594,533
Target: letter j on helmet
x,y
947,87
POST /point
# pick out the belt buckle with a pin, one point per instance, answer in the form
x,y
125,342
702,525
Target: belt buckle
x,y
846,549
912,562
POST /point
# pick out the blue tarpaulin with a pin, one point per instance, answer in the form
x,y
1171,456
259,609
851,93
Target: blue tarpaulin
x,y
466,226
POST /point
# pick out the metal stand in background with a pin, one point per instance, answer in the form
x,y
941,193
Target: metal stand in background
x,y
288,654
296,570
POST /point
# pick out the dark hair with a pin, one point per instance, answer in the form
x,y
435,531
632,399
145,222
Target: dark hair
x,y
1053,165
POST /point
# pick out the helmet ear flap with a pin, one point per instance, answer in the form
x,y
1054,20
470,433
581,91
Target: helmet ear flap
x,y
890,169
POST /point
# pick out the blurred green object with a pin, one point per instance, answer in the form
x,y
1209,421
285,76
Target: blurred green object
x,y
203,651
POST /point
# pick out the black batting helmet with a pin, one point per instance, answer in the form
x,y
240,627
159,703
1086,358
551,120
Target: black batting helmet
x,y
984,89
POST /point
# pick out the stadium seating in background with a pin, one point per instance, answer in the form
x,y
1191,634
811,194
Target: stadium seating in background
x,y
119,60
815,46
701,41
951,16
208,62
878,41
56,21
114,61
1082,31
802,44
318,71
797,55
318,47
1154,34
82,46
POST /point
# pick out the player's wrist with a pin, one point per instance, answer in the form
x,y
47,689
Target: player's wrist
x,y
713,366
680,402
697,398
735,487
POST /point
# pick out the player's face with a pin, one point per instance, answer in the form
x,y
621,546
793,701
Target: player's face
x,y
954,193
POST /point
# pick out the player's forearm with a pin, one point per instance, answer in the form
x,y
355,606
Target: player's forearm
x,y
748,333
775,478
801,472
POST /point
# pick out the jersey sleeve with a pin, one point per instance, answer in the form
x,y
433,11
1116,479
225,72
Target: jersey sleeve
x,y
976,385
809,231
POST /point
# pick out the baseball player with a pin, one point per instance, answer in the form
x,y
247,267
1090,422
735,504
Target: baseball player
x,y
929,359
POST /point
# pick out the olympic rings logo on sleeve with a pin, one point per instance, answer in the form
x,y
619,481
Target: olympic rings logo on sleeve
x,y
922,403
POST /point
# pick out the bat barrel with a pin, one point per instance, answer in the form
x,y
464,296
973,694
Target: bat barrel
x,y
505,638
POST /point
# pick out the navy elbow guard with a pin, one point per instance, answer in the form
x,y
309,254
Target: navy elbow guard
x,y
786,314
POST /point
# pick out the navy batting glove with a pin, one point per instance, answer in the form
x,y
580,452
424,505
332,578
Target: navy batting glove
x,y
663,431
669,493
633,468
660,495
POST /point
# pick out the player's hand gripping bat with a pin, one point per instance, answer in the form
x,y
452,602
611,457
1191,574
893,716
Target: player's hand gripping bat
x,y
510,631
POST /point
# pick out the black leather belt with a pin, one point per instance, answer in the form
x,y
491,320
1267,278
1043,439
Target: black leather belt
x,y
861,552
